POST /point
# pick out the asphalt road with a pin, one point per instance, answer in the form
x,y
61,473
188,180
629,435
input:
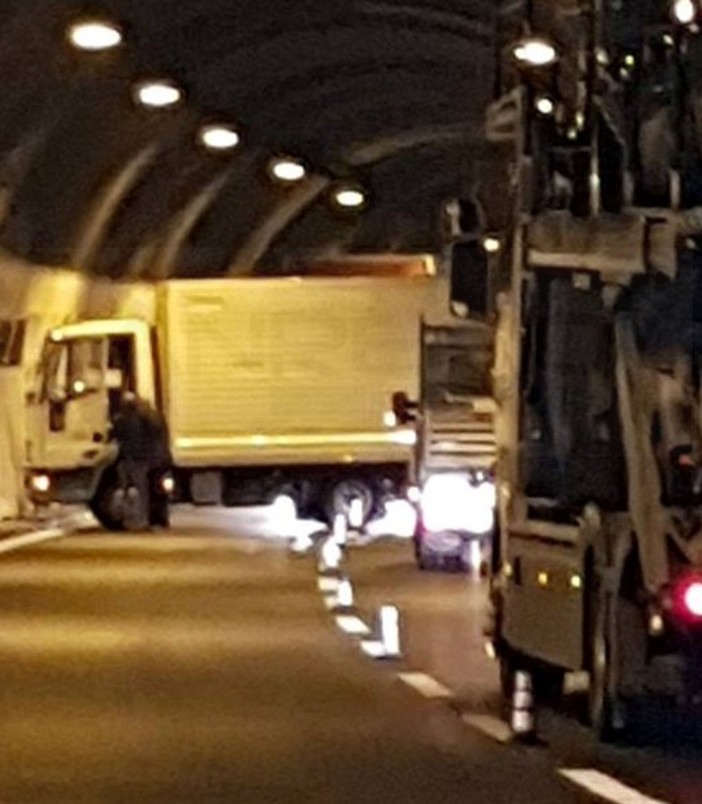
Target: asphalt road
x,y
203,665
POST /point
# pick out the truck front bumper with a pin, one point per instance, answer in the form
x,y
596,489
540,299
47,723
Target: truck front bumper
x,y
72,486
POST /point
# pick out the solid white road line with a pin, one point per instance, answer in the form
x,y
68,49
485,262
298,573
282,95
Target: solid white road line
x,y
15,542
425,685
352,625
489,725
606,787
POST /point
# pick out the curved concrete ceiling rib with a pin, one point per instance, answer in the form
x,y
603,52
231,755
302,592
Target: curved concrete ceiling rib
x,y
153,227
96,136
299,214
94,231
402,214
358,81
176,174
248,197
160,256
256,245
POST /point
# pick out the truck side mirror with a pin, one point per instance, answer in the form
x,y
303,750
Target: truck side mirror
x,y
470,280
404,408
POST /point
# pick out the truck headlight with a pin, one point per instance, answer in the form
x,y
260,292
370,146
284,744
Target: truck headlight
x,y
452,502
40,483
168,483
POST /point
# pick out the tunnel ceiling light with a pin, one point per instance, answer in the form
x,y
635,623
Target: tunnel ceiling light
x,y
684,11
94,35
219,137
349,197
534,51
288,170
157,94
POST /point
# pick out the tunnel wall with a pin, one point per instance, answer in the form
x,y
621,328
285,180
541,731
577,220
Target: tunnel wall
x,y
45,298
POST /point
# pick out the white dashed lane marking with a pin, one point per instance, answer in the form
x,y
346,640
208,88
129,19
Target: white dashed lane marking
x,y
606,787
352,625
425,685
15,542
489,725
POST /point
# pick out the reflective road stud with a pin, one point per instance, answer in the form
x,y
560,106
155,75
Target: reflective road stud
x,y
330,555
522,719
339,529
356,512
344,594
390,631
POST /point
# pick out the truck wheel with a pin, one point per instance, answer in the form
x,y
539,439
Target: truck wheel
x,y
105,504
159,513
341,499
508,668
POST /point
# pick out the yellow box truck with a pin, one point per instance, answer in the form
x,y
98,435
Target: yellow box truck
x,y
267,386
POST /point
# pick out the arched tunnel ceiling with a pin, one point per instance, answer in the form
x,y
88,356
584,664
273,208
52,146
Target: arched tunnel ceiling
x,y
387,93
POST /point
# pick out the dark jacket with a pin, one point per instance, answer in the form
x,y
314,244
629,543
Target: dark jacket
x,y
141,433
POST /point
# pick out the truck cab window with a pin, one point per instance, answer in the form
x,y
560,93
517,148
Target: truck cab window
x,y
120,370
12,334
85,365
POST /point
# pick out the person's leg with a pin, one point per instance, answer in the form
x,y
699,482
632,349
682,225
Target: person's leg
x,y
137,495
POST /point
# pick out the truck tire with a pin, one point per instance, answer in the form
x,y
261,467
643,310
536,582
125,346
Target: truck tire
x,y
339,496
159,511
103,504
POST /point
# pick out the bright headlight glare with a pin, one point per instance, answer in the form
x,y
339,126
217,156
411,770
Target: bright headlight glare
x,y
406,438
41,483
390,418
535,52
168,484
452,502
684,11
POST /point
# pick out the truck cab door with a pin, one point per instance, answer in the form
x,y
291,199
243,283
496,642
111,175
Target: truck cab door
x,y
74,405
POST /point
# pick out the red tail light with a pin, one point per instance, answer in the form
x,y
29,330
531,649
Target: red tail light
x,y
692,598
688,597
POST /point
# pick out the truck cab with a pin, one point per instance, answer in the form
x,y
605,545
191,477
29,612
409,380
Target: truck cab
x,y
84,370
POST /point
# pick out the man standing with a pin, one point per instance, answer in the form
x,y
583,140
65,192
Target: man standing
x,y
144,456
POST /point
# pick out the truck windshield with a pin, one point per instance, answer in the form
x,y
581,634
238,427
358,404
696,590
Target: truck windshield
x,y
12,334
73,367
